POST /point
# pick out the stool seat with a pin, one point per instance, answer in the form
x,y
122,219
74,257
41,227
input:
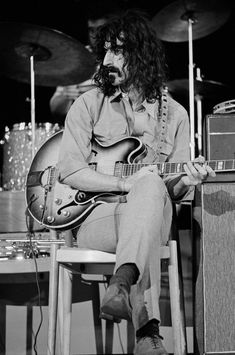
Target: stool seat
x,y
84,255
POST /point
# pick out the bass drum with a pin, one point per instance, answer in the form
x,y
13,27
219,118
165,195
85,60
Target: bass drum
x,y
17,151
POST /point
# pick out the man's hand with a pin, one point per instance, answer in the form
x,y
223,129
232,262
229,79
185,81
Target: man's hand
x,y
129,182
197,172
74,91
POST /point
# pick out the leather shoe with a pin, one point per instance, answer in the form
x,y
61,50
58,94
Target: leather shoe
x,y
149,341
150,345
116,304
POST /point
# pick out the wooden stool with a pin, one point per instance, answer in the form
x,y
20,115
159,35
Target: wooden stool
x,y
69,260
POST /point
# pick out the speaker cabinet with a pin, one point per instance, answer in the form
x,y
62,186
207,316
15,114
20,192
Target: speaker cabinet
x,y
215,285
219,136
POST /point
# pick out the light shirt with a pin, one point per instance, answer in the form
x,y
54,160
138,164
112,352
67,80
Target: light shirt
x,y
110,119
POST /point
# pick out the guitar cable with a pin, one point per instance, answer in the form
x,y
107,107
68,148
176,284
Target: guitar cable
x,y
30,235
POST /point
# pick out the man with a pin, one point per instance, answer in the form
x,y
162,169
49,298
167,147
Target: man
x,y
129,102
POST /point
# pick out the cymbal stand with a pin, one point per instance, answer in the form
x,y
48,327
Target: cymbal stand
x,y
188,16
198,99
32,102
191,90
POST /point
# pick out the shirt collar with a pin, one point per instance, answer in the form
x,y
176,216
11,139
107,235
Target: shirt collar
x,y
149,107
116,95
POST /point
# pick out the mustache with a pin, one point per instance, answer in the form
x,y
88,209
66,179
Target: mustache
x,y
110,69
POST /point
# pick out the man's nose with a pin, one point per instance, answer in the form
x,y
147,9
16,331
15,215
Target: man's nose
x,y
108,58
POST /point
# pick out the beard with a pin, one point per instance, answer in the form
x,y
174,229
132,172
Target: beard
x,y
110,73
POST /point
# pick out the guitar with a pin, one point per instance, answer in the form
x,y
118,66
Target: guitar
x,y
58,206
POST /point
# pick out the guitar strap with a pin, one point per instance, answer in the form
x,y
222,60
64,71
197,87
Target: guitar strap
x,y
160,114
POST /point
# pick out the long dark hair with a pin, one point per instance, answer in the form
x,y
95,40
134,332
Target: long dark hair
x,y
143,52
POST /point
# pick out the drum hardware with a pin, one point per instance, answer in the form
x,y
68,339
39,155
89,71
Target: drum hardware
x,y
48,241
18,251
188,20
225,107
21,249
202,89
58,59
42,56
17,148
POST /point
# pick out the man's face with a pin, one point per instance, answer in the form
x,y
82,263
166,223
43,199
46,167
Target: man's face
x,y
115,62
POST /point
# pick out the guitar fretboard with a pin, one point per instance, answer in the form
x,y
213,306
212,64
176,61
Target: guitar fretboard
x,y
124,170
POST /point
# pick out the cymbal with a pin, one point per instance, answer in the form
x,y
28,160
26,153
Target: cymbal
x,y
204,88
171,23
58,58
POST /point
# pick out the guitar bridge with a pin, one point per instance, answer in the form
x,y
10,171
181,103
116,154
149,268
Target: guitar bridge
x,y
48,178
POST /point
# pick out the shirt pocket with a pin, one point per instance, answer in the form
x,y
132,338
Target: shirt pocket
x,y
109,129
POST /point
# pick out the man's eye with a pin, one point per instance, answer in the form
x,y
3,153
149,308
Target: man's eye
x,y
118,51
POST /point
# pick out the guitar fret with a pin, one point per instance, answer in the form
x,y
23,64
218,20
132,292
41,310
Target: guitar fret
x,y
167,168
172,170
162,168
134,168
118,169
125,170
213,164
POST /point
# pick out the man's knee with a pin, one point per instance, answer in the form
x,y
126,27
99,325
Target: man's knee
x,y
152,184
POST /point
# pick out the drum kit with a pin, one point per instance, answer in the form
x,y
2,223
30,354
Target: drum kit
x,y
42,56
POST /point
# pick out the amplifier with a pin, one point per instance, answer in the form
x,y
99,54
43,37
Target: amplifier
x,y
219,136
215,286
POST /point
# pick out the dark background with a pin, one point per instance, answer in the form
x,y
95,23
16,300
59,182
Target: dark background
x,y
213,53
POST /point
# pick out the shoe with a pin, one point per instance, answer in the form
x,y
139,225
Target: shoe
x,y
150,342
116,304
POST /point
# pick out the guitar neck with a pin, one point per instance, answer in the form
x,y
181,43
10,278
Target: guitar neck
x,y
169,168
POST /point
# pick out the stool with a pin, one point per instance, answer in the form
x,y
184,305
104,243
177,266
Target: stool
x,y
71,260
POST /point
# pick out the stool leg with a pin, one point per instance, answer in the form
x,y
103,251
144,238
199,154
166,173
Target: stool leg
x,y
67,310
178,327
53,300
97,319
130,337
29,327
109,337
3,309
60,312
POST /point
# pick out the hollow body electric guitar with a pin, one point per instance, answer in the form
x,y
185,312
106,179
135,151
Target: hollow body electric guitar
x,y
58,206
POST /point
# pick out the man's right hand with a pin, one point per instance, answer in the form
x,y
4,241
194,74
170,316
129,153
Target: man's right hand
x,y
130,181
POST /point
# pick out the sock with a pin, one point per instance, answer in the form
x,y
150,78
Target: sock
x,y
152,325
127,274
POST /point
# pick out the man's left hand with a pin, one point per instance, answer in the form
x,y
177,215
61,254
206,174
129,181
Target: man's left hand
x,y
197,171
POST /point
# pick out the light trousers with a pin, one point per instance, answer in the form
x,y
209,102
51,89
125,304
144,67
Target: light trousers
x,y
134,230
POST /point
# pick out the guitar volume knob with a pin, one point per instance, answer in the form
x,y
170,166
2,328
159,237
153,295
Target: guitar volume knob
x,y
58,201
66,213
50,219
